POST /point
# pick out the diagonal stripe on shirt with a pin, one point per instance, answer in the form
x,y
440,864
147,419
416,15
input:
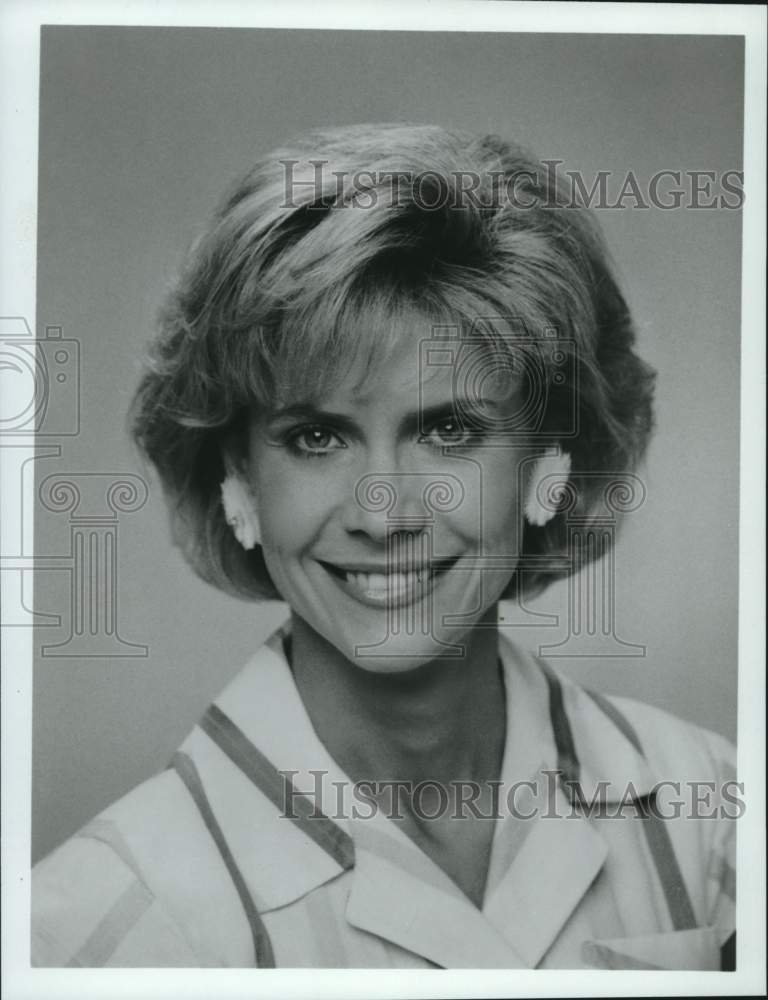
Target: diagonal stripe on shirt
x,y
670,876
262,946
656,833
621,723
124,914
567,759
263,773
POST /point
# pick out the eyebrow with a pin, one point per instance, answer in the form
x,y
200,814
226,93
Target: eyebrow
x,y
415,419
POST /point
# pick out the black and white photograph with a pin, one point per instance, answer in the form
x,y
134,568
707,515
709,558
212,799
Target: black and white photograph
x,y
383,488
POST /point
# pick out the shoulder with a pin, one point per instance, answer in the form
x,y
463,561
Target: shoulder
x,y
180,844
143,884
685,776
92,900
672,745
606,725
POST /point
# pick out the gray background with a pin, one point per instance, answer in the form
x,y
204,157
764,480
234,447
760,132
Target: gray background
x,y
140,130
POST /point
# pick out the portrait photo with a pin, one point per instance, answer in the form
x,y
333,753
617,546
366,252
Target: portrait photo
x,y
381,489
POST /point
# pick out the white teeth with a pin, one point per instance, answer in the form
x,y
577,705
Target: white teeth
x,y
383,583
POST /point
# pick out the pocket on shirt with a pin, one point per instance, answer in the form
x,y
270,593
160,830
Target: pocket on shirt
x,y
693,949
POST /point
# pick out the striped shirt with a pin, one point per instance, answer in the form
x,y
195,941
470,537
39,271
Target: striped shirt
x,y
253,848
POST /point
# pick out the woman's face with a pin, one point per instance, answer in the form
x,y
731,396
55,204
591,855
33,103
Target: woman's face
x,y
388,525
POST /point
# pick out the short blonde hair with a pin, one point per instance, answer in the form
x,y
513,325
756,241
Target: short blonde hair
x,y
367,223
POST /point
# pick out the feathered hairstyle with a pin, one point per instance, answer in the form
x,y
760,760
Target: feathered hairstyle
x,y
310,265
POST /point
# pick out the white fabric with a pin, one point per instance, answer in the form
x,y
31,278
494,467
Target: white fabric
x,y
567,892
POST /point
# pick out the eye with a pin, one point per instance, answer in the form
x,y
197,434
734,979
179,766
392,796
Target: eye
x,y
314,440
448,432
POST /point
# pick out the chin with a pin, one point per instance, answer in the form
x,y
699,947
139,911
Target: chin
x,y
396,654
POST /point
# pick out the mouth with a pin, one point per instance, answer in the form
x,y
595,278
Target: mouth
x,y
385,587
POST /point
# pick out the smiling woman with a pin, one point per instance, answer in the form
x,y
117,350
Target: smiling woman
x,y
339,559
395,367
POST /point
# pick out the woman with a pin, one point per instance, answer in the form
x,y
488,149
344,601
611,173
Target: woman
x,y
395,371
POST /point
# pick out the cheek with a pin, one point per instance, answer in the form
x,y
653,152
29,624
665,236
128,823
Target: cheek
x,y
501,508
287,517
292,504
491,512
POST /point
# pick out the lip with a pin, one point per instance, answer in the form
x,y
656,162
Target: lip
x,y
386,588
436,565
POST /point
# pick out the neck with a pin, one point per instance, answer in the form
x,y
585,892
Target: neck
x,y
442,721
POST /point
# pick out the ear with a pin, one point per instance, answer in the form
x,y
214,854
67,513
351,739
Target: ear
x,y
553,465
240,502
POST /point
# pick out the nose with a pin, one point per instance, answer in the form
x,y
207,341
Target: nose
x,y
380,504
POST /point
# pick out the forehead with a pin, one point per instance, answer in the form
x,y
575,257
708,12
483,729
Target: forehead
x,y
385,345
399,377
423,373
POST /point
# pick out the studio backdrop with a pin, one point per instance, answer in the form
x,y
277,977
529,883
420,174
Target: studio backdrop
x,y
141,129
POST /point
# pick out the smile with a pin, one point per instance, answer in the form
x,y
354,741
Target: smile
x,y
389,589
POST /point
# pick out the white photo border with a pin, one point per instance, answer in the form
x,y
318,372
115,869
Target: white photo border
x,y
20,24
